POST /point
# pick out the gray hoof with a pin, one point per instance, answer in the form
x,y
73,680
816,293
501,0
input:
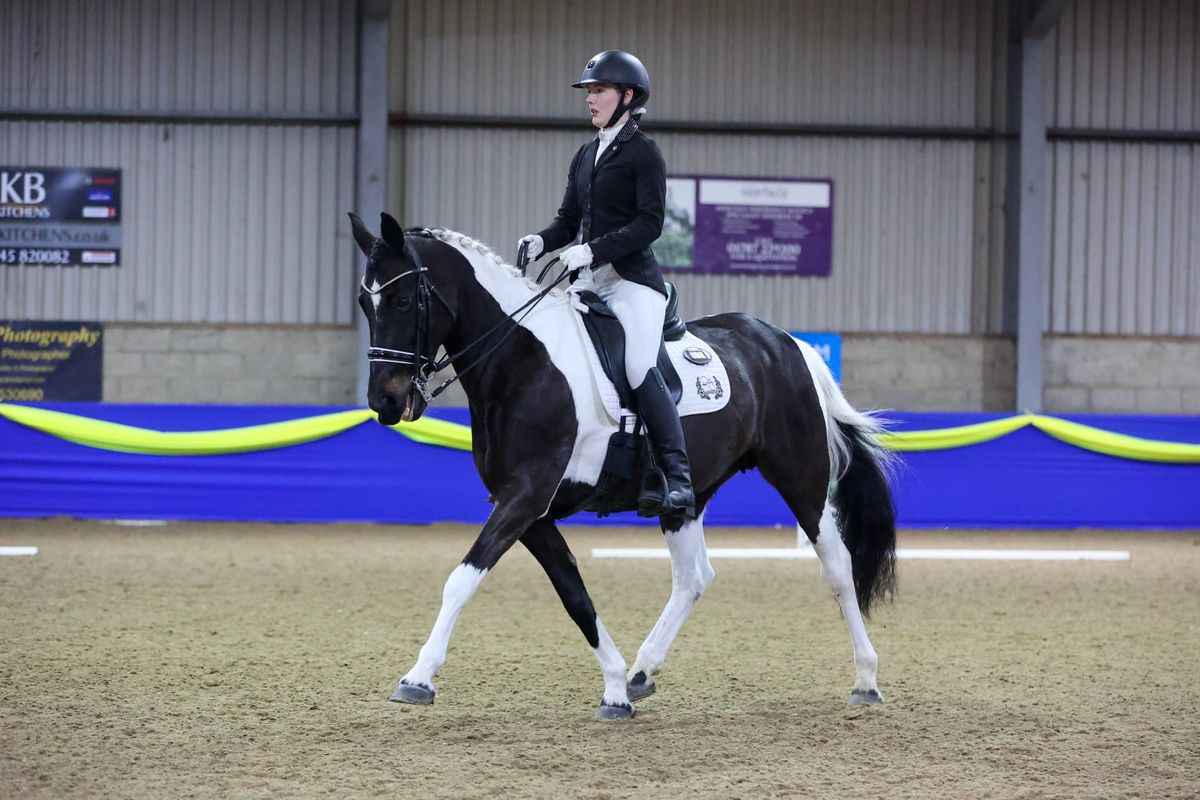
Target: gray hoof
x,y
622,711
414,693
869,697
640,687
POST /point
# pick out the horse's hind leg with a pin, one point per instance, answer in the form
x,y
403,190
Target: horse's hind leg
x,y
691,574
546,543
838,573
814,513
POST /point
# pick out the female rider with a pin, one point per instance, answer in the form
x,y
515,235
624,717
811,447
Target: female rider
x,y
611,213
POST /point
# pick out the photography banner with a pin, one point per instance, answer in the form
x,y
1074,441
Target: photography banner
x,y
58,217
42,360
721,225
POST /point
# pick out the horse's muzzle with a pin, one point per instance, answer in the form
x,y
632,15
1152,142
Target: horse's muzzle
x,y
389,410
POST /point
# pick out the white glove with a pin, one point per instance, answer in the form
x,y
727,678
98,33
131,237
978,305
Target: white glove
x,y
575,257
536,245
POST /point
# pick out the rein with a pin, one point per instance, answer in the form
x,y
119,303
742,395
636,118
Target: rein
x,y
427,367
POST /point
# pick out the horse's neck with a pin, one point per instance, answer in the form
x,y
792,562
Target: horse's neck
x,y
499,281
497,293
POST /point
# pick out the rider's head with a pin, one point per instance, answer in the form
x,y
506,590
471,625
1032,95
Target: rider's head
x,y
616,82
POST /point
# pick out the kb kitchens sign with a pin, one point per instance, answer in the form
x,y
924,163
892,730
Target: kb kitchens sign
x,y
59,217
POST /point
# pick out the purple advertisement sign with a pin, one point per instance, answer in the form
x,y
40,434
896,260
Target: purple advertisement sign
x,y
747,225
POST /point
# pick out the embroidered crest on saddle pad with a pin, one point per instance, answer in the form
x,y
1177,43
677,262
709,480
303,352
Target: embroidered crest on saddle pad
x,y
709,387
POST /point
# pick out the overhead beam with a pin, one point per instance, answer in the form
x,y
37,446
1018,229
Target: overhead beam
x,y
1043,17
1032,254
1031,250
371,184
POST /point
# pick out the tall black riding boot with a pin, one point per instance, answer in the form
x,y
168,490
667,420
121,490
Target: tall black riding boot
x,y
665,432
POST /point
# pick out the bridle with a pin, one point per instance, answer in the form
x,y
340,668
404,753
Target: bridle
x,y
426,367
425,289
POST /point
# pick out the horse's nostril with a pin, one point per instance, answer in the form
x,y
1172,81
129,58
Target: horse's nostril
x,y
388,411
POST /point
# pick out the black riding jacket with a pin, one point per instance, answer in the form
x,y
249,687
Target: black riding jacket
x,y
615,207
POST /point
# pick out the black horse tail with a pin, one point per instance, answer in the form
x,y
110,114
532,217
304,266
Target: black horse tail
x,y
862,499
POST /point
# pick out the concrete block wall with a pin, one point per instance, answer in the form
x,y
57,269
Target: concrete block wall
x,y
929,373
1081,374
1119,375
318,365
230,364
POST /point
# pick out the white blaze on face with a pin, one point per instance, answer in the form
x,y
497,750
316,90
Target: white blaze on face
x,y
376,299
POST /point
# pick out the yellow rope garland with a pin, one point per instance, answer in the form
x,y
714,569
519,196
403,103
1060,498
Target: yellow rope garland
x,y
129,439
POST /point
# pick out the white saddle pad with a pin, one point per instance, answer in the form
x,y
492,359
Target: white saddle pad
x,y
705,386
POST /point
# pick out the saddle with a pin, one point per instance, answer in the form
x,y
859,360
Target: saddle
x,y
608,338
628,453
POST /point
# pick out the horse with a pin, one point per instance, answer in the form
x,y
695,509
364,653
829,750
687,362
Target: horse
x,y
539,441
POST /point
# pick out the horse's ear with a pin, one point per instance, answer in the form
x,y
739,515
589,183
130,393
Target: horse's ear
x,y
363,237
391,231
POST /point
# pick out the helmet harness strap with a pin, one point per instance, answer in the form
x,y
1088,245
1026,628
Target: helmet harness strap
x,y
622,106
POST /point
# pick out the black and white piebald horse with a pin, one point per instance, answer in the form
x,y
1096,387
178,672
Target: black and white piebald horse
x,y
539,440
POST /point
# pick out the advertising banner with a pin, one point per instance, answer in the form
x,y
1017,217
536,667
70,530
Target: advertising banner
x,y
721,225
42,360
59,217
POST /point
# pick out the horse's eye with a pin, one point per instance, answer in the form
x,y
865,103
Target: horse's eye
x,y
403,302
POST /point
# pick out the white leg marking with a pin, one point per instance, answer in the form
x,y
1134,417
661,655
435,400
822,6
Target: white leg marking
x,y
612,665
691,574
460,586
837,572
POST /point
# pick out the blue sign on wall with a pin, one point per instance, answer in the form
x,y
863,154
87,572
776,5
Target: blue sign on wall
x,y
829,345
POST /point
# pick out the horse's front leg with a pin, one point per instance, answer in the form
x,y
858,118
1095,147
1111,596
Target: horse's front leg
x,y
691,574
505,525
546,543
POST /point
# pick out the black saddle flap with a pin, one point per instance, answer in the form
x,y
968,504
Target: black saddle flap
x,y
608,337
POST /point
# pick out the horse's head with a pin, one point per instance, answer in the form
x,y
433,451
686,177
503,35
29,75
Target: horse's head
x,y
408,316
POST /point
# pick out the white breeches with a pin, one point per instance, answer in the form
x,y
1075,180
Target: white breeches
x,y
640,311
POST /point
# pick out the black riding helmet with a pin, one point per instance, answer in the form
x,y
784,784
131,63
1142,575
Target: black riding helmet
x,y
625,71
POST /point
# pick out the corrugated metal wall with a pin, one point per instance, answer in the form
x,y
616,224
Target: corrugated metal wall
x,y
851,61
1130,65
1125,244
904,218
916,244
282,56
241,220
221,223
234,221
